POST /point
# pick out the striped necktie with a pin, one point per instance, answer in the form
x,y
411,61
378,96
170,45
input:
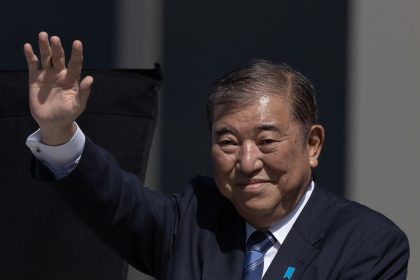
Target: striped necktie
x,y
256,247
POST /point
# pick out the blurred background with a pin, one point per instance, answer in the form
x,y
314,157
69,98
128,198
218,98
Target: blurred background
x,y
362,56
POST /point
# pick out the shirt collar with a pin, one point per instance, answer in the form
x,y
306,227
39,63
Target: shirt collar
x,y
281,228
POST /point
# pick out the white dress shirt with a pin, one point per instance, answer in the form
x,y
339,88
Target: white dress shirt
x,y
61,159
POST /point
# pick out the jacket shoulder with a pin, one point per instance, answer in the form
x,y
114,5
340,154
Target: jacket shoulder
x,y
348,213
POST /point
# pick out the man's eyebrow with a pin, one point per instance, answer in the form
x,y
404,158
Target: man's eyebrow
x,y
219,131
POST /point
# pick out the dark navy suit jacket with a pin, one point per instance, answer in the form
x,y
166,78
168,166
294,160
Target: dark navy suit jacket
x,y
199,235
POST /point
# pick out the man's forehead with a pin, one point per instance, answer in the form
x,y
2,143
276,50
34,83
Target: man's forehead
x,y
265,114
258,101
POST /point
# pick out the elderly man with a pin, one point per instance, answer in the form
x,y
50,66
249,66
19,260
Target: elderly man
x,y
261,217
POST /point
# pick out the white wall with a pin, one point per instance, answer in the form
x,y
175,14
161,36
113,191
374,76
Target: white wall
x,y
138,45
138,33
384,113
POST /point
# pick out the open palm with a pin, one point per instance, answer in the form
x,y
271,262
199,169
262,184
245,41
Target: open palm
x,y
56,96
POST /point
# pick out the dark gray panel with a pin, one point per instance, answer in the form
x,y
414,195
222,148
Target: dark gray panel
x,y
204,39
90,21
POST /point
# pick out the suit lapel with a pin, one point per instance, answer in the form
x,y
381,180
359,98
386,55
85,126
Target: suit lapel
x,y
291,259
300,245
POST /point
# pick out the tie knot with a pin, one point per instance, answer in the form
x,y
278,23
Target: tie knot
x,y
260,241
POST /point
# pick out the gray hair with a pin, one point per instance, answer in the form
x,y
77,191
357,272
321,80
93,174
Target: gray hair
x,y
246,84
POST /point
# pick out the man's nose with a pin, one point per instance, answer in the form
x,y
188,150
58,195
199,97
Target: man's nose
x,y
249,158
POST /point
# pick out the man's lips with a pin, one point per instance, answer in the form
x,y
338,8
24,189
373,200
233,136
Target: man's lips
x,y
252,184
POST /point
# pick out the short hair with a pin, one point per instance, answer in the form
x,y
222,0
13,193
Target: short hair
x,y
246,84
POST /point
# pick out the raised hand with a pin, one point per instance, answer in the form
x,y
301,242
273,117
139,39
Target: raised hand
x,y
56,94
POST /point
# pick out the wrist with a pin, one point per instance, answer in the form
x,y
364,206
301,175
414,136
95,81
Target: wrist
x,y
54,136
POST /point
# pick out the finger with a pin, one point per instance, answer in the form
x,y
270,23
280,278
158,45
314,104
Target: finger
x,y
31,58
58,57
76,61
45,50
84,91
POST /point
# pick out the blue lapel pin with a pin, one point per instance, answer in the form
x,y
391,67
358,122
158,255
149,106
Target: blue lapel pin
x,y
289,272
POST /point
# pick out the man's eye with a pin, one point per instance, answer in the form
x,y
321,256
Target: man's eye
x,y
225,143
267,141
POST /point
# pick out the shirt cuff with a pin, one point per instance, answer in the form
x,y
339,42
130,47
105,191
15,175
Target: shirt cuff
x,y
61,155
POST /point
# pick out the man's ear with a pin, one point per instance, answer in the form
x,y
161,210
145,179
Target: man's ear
x,y
315,141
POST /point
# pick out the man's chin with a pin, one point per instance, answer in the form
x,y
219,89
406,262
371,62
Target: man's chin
x,y
257,216
255,207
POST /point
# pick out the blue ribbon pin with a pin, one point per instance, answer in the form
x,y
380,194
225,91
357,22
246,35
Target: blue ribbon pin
x,y
289,272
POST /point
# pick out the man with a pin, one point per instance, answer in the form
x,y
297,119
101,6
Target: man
x,y
262,217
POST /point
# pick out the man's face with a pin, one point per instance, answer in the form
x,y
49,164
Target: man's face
x,y
262,162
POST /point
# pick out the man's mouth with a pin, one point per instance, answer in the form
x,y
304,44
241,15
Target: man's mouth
x,y
252,185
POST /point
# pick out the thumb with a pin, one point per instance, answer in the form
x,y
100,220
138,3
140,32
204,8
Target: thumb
x,y
84,90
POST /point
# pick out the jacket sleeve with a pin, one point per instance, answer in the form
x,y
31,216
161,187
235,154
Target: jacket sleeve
x,y
382,255
136,222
